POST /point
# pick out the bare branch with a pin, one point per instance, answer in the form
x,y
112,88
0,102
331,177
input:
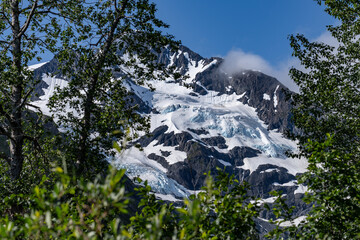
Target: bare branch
x,y
38,6
5,17
120,14
54,13
28,20
25,98
33,106
37,146
36,39
4,131
99,41
116,8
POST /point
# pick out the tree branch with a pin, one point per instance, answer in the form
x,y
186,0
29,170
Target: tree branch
x,y
3,131
6,94
28,20
36,39
37,145
23,103
38,6
33,106
5,17
114,24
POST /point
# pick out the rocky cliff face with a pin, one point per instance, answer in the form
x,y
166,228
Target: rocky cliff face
x,y
214,119
266,94
210,119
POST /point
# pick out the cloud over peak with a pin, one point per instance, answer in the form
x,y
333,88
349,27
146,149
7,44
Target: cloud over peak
x,y
238,60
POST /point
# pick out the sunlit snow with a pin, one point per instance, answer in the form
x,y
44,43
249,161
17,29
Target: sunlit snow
x,y
218,114
266,97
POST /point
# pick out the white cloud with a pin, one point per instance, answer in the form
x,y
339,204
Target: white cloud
x,y
238,60
327,38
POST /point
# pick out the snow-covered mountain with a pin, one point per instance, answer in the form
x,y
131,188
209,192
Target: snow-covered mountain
x,y
211,119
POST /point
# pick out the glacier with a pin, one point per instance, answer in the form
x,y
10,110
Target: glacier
x,y
180,109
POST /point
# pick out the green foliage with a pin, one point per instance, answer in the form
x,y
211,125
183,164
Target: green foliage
x,y
334,192
27,29
327,112
329,90
222,210
15,194
155,220
75,209
115,42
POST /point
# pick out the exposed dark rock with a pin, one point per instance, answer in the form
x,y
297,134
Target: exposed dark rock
x,y
200,89
199,131
190,173
171,139
133,100
217,141
273,107
165,153
146,140
237,155
241,174
48,68
263,179
202,159
159,159
180,59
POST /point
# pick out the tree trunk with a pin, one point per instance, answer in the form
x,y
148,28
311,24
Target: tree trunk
x,y
16,128
89,101
85,131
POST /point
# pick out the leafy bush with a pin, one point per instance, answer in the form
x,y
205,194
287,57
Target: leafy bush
x,y
333,182
86,210
221,210
97,210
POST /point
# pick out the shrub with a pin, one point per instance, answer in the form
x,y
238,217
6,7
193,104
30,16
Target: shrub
x,y
77,209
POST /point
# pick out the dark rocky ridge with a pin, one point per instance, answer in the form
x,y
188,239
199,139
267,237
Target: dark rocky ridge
x,y
253,85
203,154
50,67
202,158
180,61
217,141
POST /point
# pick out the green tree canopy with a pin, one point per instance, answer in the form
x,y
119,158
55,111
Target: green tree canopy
x,y
327,111
27,29
116,42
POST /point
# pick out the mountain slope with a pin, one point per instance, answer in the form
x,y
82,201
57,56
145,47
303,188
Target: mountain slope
x,y
211,119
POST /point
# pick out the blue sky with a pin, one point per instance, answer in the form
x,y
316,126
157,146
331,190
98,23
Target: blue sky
x,y
214,27
252,34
